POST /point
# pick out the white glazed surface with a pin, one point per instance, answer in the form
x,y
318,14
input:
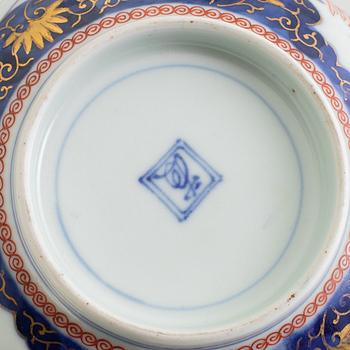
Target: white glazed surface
x,y
150,201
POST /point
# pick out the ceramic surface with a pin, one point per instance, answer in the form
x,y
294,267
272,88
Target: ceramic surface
x,y
175,174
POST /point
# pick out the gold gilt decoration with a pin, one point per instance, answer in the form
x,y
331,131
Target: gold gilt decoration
x,y
4,90
37,330
341,338
344,337
39,29
110,4
294,26
8,70
344,84
344,334
320,334
302,3
83,8
48,20
292,23
250,7
3,289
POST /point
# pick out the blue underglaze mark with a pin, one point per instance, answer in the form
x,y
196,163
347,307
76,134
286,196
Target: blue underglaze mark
x,y
181,169
176,174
